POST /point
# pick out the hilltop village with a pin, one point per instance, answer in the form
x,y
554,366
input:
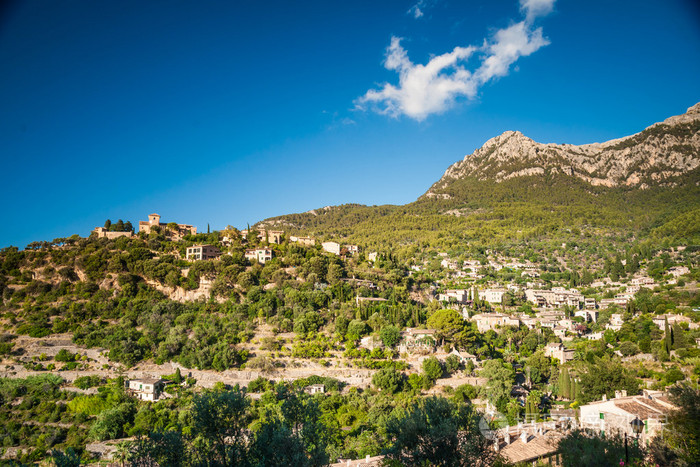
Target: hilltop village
x,y
128,327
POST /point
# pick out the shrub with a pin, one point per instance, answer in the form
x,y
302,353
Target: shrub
x,y
85,382
64,355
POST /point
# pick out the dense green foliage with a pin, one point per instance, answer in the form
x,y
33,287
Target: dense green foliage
x,y
437,431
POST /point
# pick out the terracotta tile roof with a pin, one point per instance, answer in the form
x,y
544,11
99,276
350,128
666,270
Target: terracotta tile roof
x,y
640,410
536,447
146,380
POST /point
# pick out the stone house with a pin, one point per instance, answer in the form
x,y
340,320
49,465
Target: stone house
x,y
558,351
464,356
587,315
371,342
615,322
417,340
202,252
306,241
154,221
270,236
261,255
616,415
493,296
315,389
460,296
643,281
101,232
660,321
331,247
487,321
146,389
678,271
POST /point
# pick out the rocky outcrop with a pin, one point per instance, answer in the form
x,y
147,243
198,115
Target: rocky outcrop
x,y
657,155
181,295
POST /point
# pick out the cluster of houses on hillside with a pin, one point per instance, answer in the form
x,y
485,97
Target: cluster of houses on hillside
x,y
537,294
208,252
556,297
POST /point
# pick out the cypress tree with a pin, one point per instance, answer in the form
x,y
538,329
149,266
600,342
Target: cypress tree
x,y
668,339
565,385
679,340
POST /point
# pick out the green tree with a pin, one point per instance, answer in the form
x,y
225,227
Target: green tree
x,y
69,458
390,335
532,405
679,339
465,393
275,445
302,417
110,423
452,363
501,378
158,448
628,348
218,422
437,431
603,377
335,273
356,329
341,325
593,449
447,323
539,367
668,339
432,369
565,384
388,379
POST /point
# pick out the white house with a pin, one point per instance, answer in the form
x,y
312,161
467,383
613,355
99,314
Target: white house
x,y
616,415
331,247
261,255
494,296
146,389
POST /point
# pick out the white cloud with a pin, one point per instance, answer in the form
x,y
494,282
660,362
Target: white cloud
x,y
433,88
418,10
423,89
415,10
536,8
510,44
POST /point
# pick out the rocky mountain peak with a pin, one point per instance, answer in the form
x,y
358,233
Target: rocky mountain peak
x,y
658,155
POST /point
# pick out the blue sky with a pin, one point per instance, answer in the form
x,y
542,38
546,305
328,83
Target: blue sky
x,y
230,112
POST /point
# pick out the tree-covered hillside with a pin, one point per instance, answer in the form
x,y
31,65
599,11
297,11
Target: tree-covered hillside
x,y
536,207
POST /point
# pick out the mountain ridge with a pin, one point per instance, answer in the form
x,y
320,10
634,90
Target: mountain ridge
x,y
657,155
